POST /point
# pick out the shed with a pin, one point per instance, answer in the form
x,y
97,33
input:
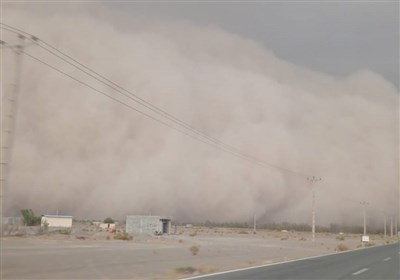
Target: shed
x,y
136,224
57,221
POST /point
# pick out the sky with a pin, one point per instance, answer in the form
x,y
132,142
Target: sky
x,y
336,38
308,87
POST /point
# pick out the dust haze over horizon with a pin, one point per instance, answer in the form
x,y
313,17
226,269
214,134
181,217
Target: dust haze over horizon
x,y
79,153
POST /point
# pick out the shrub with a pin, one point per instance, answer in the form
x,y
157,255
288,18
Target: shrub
x,y
109,220
65,231
370,244
185,270
29,218
123,236
341,247
194,250
340,237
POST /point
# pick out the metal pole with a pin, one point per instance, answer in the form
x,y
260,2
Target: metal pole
x,y
384,228
313,179
313,214
364,204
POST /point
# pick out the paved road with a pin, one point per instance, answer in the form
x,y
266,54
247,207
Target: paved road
x,y
376,263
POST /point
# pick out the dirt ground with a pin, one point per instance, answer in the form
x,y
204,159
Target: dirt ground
x,y
185,252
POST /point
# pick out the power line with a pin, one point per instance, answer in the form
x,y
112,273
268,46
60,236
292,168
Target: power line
x,y
143,102
139,111
135,98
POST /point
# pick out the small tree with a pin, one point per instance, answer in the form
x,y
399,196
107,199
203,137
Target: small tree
x,y
29,218
109,220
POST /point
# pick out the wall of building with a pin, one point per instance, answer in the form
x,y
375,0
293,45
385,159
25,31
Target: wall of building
x,y
107,226
143,224
57,221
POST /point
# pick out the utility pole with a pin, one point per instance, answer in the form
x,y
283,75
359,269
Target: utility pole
x,y
313,180
8,124
391,226
384,227
364,204
254,224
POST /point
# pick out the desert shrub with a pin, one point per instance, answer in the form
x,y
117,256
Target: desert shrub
x,y
370,244
185,270
341,247
243,232
29,218
284,238
65,231
340,237
194,250
193,234
206,269
123,236
109,220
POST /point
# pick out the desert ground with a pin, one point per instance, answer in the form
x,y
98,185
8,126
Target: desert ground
x,y
88,252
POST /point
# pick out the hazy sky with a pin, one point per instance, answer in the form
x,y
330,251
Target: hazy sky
x,y
337,38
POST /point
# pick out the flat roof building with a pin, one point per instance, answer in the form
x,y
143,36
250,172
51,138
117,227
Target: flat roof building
x,y
57,221
136,224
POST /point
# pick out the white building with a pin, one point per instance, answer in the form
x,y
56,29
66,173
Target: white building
x,y
57,221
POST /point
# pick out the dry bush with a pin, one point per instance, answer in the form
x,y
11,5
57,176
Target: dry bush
x,y
65,231
123,236
370,244
206,269
285,238
186,270
341,247
303,239
340,237
193,234
194,250
243,232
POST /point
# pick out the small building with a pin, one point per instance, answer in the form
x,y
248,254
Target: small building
x,y
107,225
12,221
148,225
57,221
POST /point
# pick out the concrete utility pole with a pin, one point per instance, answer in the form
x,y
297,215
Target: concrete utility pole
x,y
364,204
255,224
391,226
384,227
8,124
313,180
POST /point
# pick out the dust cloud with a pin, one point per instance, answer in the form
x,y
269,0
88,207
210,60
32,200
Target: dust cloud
x,y
79,153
